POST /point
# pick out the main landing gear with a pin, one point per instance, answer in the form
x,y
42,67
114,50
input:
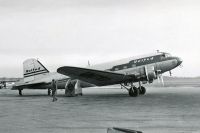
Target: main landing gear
x,y
134,91
142,90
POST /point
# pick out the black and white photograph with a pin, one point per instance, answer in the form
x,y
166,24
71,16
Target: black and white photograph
x,y
99,66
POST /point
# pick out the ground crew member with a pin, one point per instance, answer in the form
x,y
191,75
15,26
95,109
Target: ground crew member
x,y
54,89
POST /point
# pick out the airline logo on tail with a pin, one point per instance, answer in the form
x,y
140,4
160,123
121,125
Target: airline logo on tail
x,y
33,67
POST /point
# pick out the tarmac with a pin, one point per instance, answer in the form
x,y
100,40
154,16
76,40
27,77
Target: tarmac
x,y
161,110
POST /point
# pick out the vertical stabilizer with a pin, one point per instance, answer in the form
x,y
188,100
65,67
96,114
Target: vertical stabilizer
x,y
33,69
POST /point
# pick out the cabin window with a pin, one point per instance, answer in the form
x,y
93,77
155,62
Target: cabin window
x,y
133,65
116,69
125,67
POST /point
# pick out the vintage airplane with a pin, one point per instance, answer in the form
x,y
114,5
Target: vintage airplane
x,y
139,69
36,76
143,69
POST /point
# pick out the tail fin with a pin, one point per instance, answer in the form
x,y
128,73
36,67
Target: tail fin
x,y
33,69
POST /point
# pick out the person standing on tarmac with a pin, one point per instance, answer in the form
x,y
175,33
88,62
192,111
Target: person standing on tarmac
x,y
54,89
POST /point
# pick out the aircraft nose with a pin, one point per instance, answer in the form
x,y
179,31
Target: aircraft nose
x,y
179,61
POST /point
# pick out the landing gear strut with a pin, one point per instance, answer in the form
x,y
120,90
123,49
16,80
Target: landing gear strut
x,y
20,92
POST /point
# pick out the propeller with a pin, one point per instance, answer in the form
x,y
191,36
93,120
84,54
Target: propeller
x,y
160,77
170,73
162,81
88,65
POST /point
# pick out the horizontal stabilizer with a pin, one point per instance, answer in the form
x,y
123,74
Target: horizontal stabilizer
x,y
121,130
28,85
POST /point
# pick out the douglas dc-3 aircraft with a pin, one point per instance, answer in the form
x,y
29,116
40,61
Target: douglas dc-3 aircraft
x,y
126,72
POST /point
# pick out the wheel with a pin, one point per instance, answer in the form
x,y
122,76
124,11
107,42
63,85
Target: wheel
x,y
142,90
133,92
20,92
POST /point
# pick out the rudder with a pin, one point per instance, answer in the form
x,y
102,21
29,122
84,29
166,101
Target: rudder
x,y
33,69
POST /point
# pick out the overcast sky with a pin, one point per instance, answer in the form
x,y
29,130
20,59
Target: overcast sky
x,y
71,32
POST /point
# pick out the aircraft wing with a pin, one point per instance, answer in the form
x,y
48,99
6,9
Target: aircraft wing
x,y
96,77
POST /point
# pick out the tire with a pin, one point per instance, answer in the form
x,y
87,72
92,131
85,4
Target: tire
x,y
133,92
142,90
20,92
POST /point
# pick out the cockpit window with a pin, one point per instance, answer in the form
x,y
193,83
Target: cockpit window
x,y
167,55
164,55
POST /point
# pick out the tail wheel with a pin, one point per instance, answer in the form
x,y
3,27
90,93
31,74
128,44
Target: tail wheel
x,y
142,90
133,92
49,92
20,92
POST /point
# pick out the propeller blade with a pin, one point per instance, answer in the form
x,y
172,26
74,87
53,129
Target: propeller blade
x,y
158,78
170,73
88,65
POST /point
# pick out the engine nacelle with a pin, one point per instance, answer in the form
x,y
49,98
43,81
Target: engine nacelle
x,y
150,73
